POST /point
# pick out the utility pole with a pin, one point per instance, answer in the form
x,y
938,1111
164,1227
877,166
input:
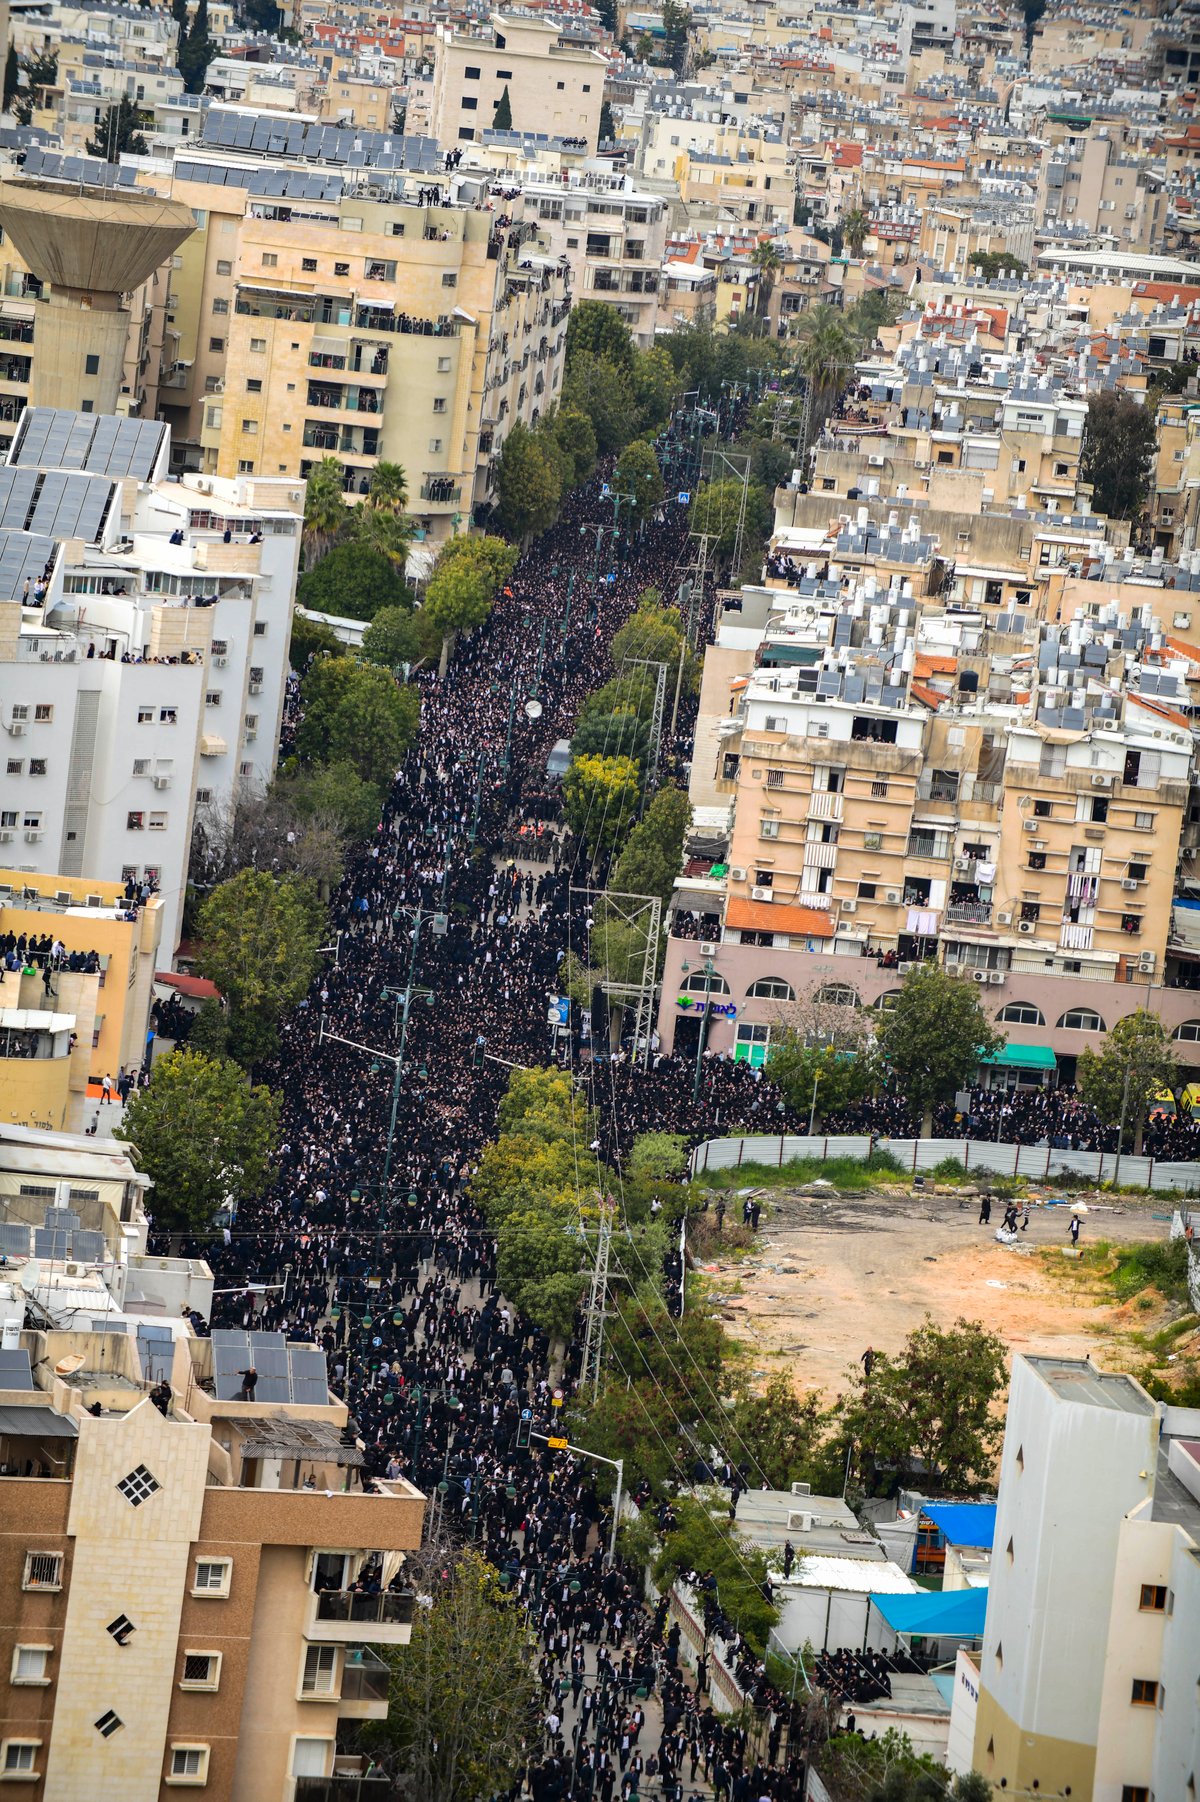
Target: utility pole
x,y
703,1033
593,1341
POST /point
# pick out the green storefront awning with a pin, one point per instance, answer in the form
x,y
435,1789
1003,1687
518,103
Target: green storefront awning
x,y
1023,1057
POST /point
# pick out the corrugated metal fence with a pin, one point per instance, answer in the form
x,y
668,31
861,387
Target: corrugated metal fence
x,y
1040,1163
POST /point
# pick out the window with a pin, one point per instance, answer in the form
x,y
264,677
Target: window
x,y
435,445
770,988
1081,1019
866,891
212,1577
29,1664
43,712
1022,1013
249,427
1042,809
443,364
560,85
203,797
1144,1693
320,1670
269,259
1134,1792
158,822
704,982
217,345
837,994
19,1757
14,766
341,268
1143,822
167,716
138,1486
751,1044
122,1629
470,74
134,822
1153,1598
224,266
258,346
91,365
309,265
220,305
108,1724
775,778
449,279
37,766
201,1670
245,466
470,103
189,1764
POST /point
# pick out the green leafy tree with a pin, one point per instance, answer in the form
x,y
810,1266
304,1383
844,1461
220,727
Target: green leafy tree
x,y
575,437
545,1104
601,795
655,386
677,22
717,507
829,349
462,1705
355,713
528,483
12,76
601,388
887,1768
1117,459
767,262
930,1413
652,857
656,633
385,532
518,1167
657,1157
608,129
205,1137
663,1376
821,1077
40,72
623,733
196,51
997,262
258,943
785,1433
396,637
333,791
353,581
1136,1064
120,132
934,1037
502,119
704,1540
310,638
637,473
325,512
539,1267
596,329
485,552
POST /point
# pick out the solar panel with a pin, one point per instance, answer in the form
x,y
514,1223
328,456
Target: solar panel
x,y
285,1372
88,1247
156,1350
49,1245
61,1218
14,1240
15,1371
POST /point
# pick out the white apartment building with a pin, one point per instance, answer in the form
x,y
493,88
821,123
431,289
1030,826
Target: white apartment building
x,y
611,233
150,680
1087,1682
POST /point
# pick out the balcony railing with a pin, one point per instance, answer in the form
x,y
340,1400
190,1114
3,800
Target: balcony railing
x,y
391,1607
343,1788
365,1678
442,490
975,913
382,319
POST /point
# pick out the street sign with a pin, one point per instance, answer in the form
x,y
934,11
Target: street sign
x,y
558,1445
526,1413
683,497
556,1400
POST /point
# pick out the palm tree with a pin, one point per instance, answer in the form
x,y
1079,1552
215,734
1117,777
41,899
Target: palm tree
x,y
325,513
389,488
828,350
391,534
855,226
768,262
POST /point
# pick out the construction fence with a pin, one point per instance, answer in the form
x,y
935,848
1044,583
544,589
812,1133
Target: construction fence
x,y
1039,1163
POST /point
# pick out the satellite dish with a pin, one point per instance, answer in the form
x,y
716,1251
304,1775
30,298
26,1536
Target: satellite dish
x,y
66,1367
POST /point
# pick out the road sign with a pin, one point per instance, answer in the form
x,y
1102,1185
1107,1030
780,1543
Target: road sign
x,y
526,1413
558,1445
683,497
556,1400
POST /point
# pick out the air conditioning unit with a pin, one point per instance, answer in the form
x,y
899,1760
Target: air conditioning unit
x,y
876,462
848,907
892,897
1102,781
979,975
962,863
1024,925
736,873
801,1488
34,838
1030,825
1004,919
256,688
709,950
799,1521
1128,882
7,835
63,896
219,662
17,728
762,894
162,782
94,901
996,977
204,484
1145,958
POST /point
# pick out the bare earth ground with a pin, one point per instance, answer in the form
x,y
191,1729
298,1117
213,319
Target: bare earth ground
x,y
831,1276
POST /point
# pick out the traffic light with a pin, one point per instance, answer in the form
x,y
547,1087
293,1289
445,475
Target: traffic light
x,y
479,1052
524,1426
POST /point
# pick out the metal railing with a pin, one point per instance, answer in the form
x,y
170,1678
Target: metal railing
x,y
344,1787
976,913
395,1607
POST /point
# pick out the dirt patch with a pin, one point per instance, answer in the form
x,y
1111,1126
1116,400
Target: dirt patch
x,y
835,1274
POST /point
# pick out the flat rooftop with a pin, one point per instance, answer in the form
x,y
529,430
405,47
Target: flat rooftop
x,y
1078,1380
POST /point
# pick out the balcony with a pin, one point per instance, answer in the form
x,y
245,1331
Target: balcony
x,y
366,1682
441,491
344,1787
970,913
348,1617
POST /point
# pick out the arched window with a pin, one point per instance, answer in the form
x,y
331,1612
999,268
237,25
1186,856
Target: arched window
x,y
705,983
1022,1013
1189,1032
770,988
1082,1019
837,994
888,1001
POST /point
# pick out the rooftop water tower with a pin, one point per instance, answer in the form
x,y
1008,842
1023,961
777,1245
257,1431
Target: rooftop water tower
x,y
90,247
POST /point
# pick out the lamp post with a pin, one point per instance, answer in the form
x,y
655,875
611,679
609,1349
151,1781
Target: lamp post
x,y
702,1035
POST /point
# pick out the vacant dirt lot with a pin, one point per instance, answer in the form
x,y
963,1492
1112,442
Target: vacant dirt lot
x,y
834,1274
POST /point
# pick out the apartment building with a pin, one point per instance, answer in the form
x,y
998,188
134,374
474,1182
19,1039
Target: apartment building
x,y
554,85
147,678
1088,1673
613,236
46,1081
1100,179
196,1598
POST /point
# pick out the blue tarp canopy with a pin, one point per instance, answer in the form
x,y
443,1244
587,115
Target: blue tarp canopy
x,y
940,1614
963,1523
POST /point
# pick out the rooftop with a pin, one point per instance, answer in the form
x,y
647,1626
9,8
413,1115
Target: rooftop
x,y
1078,1380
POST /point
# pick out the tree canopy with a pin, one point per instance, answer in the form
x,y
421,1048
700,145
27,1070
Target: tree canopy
x,y
528,483
258,943
355,713
1119,443
1136,1064
596,329
638,475
353,581
934,1037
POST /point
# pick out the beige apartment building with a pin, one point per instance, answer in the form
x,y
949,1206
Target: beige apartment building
x,y
361,329
554,86
183,1605
1099,179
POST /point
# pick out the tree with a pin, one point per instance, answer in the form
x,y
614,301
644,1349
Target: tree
x,y
387,490
40,72
824,1054
702,1540
657,1157
887,1768
204,1136
119,133
385,532
462,1703
601,795
596,329
1119,444
677,21
258,943
462,587
601,388
355,713
353,581
481,551
829,350
502,119
196,51
992,263
334,792
784,1433
608,130
623,733
768,262
930,1413
544,1103
310,638
855,227
637,473
1136,1064
539,1267
664,1376
934,1037
717,507
325,510
528,483
655,633
652,857
396,637
12,76
576,439
655,386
